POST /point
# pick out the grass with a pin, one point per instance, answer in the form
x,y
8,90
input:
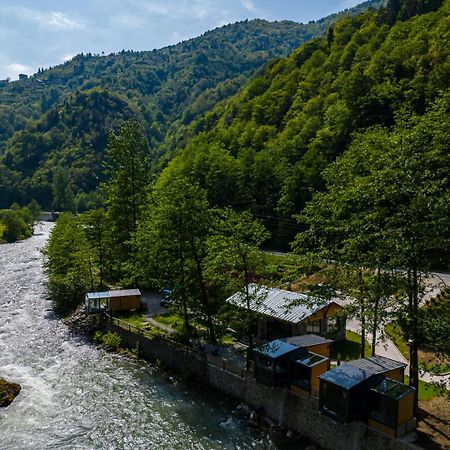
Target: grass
x,y
136,319
350,348
395,334
427,391
171,320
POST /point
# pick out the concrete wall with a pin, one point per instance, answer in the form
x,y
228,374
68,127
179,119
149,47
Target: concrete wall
x,y
281,405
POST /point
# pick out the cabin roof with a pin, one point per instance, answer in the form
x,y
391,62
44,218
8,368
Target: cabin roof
x,y
307,340
377,364
288,306
114,293
276,348
346,376
352,373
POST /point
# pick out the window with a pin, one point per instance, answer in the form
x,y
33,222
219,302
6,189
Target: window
x,y
313,327
335,400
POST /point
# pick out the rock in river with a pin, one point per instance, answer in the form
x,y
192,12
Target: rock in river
x,y
8,392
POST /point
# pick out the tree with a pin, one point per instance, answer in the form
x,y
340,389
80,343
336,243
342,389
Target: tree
x,y
235,255
128,182
68,263
63,199
172,242
387,205
95,226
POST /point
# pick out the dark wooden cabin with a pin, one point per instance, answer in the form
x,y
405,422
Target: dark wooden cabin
x,y
304,372
345,390
392,408
271,362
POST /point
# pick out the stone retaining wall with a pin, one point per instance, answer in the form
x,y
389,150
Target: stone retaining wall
x,y
282,406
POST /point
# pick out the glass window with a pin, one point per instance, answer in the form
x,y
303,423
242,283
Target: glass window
x,y
335,400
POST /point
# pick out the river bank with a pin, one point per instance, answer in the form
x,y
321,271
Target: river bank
x,y
77,396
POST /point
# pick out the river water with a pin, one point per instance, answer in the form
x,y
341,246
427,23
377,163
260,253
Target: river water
x,y
75,396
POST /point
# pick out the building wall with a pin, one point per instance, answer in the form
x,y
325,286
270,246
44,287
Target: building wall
x,y
124,303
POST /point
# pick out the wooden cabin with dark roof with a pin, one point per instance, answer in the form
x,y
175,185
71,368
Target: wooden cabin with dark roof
x,y
345,390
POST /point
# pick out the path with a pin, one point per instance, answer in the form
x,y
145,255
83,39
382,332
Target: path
x,y
385,347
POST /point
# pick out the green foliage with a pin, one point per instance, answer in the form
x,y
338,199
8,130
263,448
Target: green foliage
x,y
110,340
15,224
128,171
61,116
68,263
275,137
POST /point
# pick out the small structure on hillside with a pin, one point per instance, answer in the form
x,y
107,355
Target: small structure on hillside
x,y
112,301
285,314
271,362
345,390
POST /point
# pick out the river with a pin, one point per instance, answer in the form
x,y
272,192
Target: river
x,y
75,396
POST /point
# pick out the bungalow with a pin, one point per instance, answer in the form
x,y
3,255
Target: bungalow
x,y
284,313
345,390
118,300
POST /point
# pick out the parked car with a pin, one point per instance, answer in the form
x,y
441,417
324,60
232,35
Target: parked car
x,y
166,301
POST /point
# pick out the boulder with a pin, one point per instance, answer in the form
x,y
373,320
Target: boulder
x,y
8,392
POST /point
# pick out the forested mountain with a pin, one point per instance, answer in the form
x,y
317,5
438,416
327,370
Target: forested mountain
x,y
265,148
61,116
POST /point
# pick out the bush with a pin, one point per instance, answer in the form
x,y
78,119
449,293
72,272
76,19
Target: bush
x,y
110,340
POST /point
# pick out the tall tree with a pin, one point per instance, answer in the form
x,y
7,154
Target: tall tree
x,y
172,242
234,252
126,190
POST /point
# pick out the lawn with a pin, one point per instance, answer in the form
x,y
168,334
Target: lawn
x,y
396,336
427,391
136,319
350,348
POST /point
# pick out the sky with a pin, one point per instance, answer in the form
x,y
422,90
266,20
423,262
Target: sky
x,y
43,33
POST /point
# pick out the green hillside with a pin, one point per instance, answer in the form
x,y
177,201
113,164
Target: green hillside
x,y
265,148
166,89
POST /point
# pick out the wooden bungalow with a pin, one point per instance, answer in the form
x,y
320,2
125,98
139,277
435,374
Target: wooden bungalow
x,y
285,314
112,301
344,390
392,408
271,362
304,372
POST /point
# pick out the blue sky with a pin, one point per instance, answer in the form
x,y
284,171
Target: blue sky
x,y
42,33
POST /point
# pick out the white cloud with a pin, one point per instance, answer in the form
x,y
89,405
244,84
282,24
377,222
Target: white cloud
x,y
55,20
60,21
249,5
127,21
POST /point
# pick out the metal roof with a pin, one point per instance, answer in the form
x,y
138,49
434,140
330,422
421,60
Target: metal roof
x,y
275,348
377,364
346,376
115,293
284,305
352,373
307,340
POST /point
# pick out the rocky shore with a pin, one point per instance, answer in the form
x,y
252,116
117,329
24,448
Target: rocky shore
x,y
8,392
